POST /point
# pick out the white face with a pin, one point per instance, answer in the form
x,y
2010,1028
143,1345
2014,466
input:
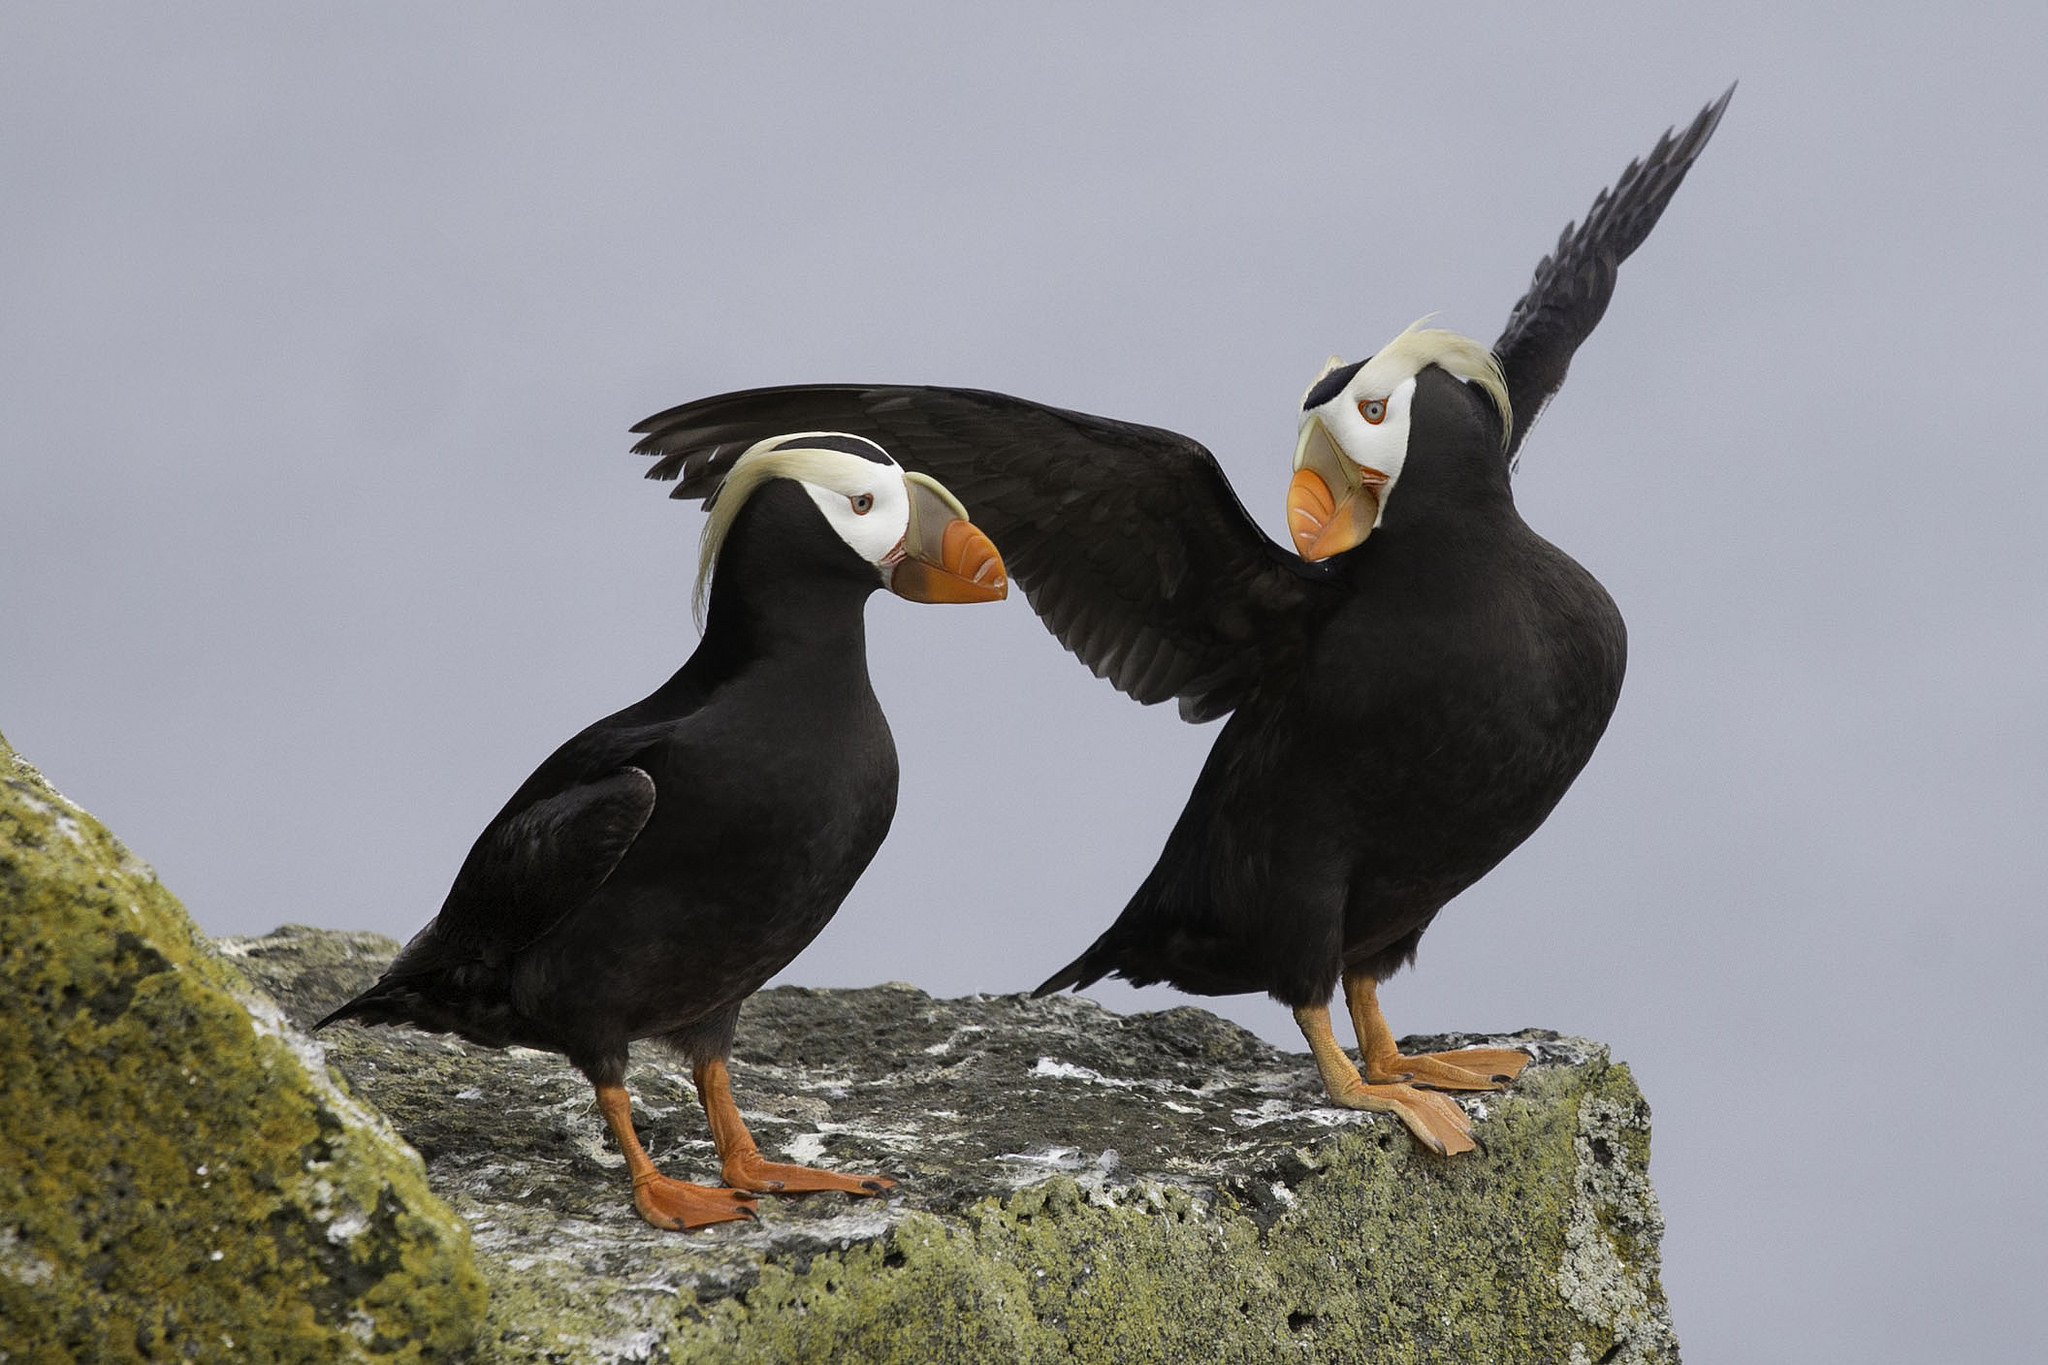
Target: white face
x,y
1369,421
865,502
914,532
1353,445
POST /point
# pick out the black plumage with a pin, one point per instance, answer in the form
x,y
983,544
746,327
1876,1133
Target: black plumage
x,y
663,864
1455,678
1402,715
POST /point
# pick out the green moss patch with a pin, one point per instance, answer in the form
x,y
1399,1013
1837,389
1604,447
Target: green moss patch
x,y
181,1179
1378,1253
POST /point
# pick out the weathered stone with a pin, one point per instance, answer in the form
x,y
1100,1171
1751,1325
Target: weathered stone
x,y
1077,1187
180,1176
177,1182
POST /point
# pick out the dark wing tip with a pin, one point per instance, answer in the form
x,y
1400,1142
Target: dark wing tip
x,y
1709,118
665,468
695,444
1570,288
667,436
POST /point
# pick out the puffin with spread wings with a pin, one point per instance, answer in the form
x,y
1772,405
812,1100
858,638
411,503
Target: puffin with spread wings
x,y
1409,694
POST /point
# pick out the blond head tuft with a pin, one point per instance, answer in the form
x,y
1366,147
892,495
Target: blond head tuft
x,y
774,458
1419,347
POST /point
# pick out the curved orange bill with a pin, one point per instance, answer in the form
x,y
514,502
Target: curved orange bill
x,y
1323,525
1334,501
946,558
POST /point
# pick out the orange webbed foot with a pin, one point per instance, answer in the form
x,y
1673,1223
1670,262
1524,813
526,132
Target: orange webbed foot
x,y
1472,1068
679,1206
1435,1119
742,1164
748,1171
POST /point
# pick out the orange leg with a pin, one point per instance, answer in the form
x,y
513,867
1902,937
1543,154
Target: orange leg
x,y
742,1162
1472,1068
1435,1119
673,1204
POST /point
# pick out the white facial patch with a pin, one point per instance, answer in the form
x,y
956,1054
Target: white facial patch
x,y
1381,445
864,502
1366,424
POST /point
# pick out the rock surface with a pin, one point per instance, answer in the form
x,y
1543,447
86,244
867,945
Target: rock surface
x,y
1077,1187
180,1176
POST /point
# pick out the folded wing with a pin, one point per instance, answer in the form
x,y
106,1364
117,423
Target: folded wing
x,y
536,863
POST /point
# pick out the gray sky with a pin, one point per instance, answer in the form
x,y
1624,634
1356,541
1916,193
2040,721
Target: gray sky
x,y
320,333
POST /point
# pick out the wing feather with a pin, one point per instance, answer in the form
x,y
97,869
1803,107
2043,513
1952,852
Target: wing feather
x,y
1572,285
1128,541
537,862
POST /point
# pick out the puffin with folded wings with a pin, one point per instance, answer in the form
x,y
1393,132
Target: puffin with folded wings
x,y
1409,694
660,866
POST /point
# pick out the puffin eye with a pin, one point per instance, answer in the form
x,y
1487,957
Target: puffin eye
x,y
863,504
1373,410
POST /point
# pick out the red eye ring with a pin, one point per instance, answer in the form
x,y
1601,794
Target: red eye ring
x,y
1373,410
863,504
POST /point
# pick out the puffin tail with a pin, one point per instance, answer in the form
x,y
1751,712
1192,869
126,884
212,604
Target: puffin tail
x,y
373,1006
1085,970
467,1000
409,992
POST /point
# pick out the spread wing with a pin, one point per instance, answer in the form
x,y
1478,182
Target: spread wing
x,y
1127,539
1573,283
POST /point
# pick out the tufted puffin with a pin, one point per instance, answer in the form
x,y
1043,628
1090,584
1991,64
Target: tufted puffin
x,y
662,865
1410,692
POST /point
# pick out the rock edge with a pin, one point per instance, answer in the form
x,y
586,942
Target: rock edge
x,y
1078,1186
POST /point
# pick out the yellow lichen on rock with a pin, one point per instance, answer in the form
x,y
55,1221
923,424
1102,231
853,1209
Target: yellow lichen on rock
x,y
180,1176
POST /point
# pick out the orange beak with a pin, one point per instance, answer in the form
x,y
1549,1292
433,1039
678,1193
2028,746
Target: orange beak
x,y
966,569
1334,501
1323,525
946,558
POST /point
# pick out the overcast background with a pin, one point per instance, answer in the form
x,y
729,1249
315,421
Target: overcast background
x,y
321,332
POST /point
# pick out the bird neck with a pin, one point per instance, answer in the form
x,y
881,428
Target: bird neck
x,y
1439,537
786,620
786,589
1455,481
1442,509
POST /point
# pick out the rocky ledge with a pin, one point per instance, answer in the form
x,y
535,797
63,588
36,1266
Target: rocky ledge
x,y
184,1175
1076,1186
